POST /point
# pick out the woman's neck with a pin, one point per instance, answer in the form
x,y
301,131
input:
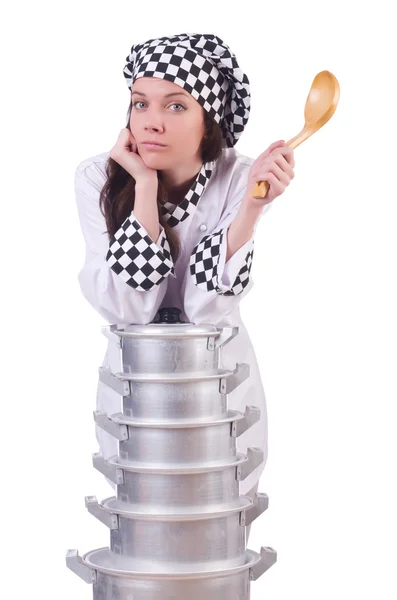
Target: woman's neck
x,y
178,185
178,193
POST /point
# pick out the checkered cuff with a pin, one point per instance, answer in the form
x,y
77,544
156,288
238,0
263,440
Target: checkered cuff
x,y
136,258
209,270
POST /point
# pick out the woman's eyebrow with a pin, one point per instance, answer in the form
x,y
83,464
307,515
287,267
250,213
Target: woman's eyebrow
x,y
165,95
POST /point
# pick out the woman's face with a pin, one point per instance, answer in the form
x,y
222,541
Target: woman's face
x,y
164,112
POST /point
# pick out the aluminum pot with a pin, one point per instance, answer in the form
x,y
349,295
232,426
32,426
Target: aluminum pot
x,y
162,397
167,443
120,583
169,346
180,485
165,543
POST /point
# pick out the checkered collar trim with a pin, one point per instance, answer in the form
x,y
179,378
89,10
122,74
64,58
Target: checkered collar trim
x,y
176,213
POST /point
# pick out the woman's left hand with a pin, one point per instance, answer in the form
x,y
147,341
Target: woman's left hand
x,y
276,166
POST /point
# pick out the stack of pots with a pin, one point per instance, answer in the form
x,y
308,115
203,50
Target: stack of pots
x,y
178,524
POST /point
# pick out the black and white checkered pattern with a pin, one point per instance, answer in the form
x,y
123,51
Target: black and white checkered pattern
x,y
176,213
136,258
205,67
133,255
204,262
142,263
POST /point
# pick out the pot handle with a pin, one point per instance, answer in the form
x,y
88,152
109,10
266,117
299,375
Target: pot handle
x,y
120,386
259,505
113,337
226,334
113,473
254,458
117,430
240,374
268,558
252,415
75,563
109,519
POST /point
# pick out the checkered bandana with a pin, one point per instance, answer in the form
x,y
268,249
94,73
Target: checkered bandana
x,y
204,66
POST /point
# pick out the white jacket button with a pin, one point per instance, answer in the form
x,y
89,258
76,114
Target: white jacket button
x,y
203,227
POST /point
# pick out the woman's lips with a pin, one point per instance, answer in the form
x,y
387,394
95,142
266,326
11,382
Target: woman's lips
x,y
153,146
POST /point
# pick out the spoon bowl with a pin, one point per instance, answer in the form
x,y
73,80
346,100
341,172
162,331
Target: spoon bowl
x,y
320,105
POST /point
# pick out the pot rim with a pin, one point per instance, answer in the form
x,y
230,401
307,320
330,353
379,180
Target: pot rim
x,y
167,330
113,505
103,554
231,415
184,469
180,377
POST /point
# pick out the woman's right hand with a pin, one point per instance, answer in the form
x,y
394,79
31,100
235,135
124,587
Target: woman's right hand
x,y
125,153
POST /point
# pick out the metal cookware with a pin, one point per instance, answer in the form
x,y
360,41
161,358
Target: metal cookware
x,y
177,523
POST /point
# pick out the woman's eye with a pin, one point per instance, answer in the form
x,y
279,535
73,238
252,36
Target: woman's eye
x,y
174,104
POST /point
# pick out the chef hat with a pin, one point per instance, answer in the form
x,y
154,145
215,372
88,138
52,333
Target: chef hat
x,y
204,66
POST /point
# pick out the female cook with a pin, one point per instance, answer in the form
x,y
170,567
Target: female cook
x,y
168,215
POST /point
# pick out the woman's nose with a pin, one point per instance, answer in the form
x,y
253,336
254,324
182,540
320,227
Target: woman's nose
x,y
153,123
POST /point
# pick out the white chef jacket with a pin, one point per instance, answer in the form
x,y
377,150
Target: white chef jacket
x,y
128,278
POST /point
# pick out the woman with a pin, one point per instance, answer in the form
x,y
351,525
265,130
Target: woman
x,y
174,224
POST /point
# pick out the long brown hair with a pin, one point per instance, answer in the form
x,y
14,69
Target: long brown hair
x,y
117,196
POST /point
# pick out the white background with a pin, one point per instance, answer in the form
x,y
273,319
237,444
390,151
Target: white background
x,y
322,313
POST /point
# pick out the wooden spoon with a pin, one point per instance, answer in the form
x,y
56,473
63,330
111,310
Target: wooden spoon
x,y
320,105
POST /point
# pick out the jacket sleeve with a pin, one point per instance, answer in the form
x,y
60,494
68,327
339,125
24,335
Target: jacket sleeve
x,y
124,279
212,288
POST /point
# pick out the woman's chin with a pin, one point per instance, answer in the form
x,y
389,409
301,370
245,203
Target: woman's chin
x,y
151,159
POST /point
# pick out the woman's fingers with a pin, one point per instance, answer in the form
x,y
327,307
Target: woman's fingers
x,y
288,153
278,144
279,167
280,175
280,162
278,183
